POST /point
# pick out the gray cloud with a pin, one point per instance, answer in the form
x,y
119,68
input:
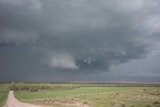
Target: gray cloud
x,y
59,60
84,34
145,74
18,20
17,37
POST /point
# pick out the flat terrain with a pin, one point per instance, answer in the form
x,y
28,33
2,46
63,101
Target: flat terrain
x,y
13,102
75,95
3,94
97,96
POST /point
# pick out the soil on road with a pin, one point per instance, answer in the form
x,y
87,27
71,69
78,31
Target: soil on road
x,y
13,102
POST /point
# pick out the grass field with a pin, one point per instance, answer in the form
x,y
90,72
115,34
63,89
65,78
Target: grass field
x,y
3,94
95,95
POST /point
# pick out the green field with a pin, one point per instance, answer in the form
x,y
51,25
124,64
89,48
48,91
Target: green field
x,y
95,95
3,94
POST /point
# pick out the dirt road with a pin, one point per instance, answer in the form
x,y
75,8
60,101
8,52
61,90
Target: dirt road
x,y
13,102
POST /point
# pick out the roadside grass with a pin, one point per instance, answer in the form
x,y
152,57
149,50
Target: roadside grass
x,y
29,96
87,95
3,93
97,96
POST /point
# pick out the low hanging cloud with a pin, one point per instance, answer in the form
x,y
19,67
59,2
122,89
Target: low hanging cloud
x,y
60,61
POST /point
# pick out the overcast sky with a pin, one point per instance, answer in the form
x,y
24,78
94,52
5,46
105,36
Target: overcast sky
x,y
80,40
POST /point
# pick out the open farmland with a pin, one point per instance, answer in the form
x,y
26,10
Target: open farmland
x,y
3,94
94,95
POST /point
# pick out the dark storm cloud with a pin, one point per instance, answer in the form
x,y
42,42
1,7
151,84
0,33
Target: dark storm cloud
x,y
18,20
83,35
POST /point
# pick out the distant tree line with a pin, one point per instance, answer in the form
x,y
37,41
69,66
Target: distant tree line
x,y
67,86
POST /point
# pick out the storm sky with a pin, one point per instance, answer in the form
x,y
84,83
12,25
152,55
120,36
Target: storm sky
x,y
80,40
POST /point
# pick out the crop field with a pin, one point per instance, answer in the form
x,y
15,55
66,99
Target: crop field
x,y
93,95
